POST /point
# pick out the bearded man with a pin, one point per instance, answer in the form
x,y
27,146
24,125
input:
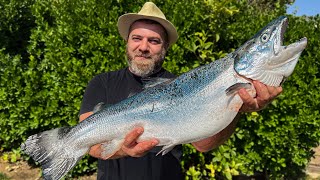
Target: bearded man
x,y
149,35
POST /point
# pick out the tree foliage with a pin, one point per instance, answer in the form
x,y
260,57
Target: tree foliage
x,y
51,49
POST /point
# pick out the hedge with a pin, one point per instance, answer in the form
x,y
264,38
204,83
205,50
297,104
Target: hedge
x,y
51,49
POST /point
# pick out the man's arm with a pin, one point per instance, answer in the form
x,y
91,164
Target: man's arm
x,y
264,95
130,147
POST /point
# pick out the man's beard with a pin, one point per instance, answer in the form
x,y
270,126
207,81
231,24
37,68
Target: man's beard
x,y
146,67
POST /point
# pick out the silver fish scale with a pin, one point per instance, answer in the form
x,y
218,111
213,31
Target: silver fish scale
x,y
185,103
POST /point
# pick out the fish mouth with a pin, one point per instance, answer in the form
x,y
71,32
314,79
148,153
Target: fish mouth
x,y
284,27
280,36
286,54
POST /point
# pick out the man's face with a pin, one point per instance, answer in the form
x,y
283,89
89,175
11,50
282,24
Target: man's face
x,y
145,48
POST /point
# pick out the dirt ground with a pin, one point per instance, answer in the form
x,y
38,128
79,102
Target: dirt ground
x,y
314,167
21,170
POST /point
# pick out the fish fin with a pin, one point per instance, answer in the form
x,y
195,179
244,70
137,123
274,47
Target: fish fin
x,y
110,148
283,80
166,149
52,152
132,94
100,106
152,82
232,90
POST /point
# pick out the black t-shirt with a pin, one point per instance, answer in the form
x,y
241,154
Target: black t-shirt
x,y
111,88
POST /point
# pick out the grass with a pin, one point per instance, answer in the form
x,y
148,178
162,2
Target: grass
x,y
3,177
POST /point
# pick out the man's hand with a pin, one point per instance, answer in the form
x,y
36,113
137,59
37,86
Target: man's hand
x,y
130,146
264,95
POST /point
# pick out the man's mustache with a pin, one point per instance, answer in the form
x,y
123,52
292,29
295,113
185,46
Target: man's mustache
x,y
142,55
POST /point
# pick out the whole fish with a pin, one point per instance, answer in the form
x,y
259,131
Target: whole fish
x,y
191,107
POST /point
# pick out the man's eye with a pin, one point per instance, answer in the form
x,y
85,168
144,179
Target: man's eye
x,y
135,38
154,41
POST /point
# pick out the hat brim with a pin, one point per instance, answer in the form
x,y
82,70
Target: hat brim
x,y
126,20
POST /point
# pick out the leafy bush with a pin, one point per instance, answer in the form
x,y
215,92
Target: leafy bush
x,y
3,177
51,49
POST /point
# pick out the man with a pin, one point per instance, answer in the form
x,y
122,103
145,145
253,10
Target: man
x,y
148,35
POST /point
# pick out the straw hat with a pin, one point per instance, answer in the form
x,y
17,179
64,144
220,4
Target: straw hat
x,y
148,11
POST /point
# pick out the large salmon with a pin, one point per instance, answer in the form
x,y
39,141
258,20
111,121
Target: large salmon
x,y
191,107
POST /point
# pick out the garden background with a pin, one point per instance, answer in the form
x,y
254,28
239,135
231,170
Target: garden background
x,y
50,49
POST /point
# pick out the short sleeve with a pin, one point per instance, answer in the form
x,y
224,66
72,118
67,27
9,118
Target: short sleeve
x,y
95,93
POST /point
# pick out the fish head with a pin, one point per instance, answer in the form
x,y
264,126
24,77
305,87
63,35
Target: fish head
x,y
265,58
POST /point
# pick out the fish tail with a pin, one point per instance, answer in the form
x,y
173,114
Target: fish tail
x,y
52,152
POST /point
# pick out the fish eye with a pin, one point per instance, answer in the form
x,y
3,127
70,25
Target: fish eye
x,y
265,37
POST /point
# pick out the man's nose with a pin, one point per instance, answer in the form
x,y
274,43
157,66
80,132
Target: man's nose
x,y
144,47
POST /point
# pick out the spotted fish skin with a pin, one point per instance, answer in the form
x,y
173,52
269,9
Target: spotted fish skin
x,y
191,107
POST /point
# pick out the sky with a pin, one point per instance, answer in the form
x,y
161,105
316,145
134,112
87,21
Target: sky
x,y
305,7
